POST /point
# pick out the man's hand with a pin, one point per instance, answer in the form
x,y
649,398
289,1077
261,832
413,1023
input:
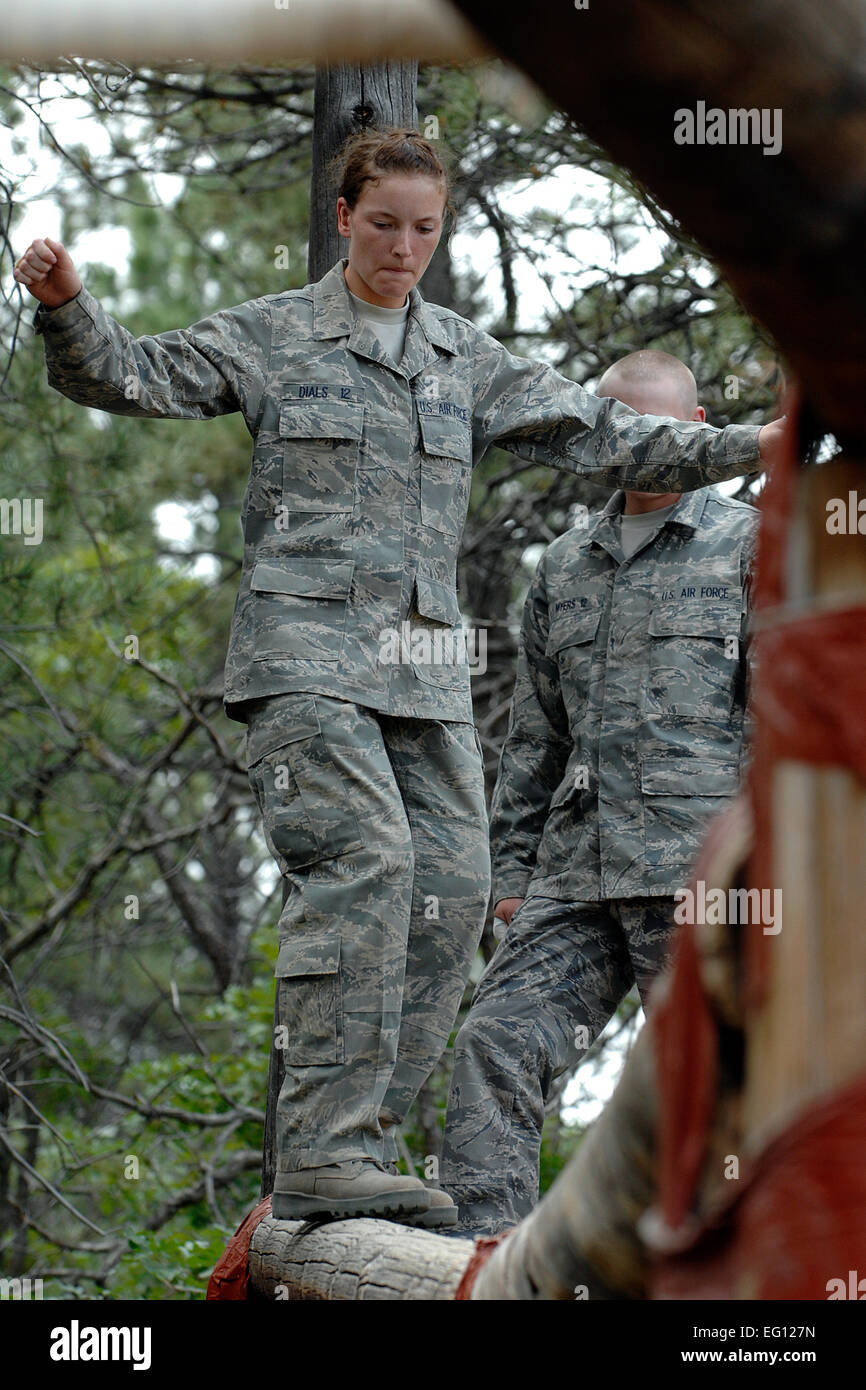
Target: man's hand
x,y
506,908
47,271
770,441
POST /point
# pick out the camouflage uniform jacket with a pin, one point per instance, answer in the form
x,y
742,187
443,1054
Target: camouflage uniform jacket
x,y
626,728
361,470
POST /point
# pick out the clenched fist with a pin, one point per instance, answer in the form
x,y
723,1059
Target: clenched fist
x,y
47,271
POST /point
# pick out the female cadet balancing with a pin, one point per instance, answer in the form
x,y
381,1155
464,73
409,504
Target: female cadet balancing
x,y
368,408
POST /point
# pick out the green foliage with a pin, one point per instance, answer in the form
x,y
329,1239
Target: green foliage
x,y
131,1169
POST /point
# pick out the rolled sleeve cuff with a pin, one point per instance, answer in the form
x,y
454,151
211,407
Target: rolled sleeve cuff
x,y
741,446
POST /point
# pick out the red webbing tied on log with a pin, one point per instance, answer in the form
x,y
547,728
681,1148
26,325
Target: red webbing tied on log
x,y
484,1248
231,1275
798,1227
808,709
811,696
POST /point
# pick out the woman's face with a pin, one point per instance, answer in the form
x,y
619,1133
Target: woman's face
x,y
393,231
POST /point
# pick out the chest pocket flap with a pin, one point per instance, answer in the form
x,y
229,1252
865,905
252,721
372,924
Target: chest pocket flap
x,y
664,776
446,435
697,618
322,419
571,628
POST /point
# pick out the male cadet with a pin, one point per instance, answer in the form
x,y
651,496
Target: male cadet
x,y
624,740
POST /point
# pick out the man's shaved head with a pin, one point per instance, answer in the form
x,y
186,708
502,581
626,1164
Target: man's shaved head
x,y
654,383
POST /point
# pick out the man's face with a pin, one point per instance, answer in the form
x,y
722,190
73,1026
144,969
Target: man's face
x,y
394,229
657,398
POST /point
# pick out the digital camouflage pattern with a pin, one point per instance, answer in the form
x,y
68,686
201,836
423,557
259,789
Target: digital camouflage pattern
x,y
625,737
361,469
626,727
352,517
379,827
556,978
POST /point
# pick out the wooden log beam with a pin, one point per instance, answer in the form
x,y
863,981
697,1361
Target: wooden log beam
x,y
354,1260
235,31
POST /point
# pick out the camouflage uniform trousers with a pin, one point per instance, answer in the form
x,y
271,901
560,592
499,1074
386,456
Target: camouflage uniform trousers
x,y
560,967
379,827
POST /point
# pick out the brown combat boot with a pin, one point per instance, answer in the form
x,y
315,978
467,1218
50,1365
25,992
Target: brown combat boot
x,y
355,1187
441,1212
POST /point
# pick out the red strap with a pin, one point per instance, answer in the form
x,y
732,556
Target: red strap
x,y
484,1248
797,1229
231,1274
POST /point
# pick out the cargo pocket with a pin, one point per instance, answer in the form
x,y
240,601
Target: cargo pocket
x,y
437,645
693,660
681,796
570,643
446,472
310,1000
321,448
306,812
298,608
